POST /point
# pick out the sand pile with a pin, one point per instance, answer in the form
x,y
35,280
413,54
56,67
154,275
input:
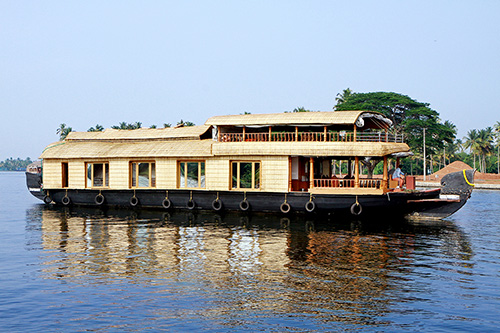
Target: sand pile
x,y
459,166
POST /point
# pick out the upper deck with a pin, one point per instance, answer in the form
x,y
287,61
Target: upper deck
x,y
331,126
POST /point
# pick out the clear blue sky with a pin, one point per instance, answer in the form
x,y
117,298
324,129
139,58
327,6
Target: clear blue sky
x,y
102,62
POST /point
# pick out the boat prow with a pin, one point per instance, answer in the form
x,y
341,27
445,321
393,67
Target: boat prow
x,y
456,189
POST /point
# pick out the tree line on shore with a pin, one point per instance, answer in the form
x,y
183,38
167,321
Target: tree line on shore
x,y
17,164
480,148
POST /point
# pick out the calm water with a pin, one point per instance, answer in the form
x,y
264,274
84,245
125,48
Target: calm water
x,y
85,270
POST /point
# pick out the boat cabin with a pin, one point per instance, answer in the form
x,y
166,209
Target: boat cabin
x,y
314,152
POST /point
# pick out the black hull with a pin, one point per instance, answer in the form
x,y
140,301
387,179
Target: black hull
x,y
408,204
397,204
34,183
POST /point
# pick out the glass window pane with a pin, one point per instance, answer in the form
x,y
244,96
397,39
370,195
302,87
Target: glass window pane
x,y
182,175
202,172
106,167
192,170
143,174
234,175
98,174
89,175
134,174
245,175
153,175
257,175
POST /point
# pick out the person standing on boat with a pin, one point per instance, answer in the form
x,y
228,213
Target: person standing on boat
x,y
399,176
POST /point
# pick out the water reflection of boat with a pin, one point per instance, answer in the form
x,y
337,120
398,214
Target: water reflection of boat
x,y
289,162
243,261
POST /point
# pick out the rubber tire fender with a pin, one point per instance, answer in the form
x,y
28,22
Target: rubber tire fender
x,y
285,208
166,203
47,199
134,201
355,206
99,199
310,206
244,205
191,204
217,205
66,200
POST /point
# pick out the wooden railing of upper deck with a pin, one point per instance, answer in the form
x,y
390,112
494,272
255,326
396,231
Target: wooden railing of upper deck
x,y
343,136
339,183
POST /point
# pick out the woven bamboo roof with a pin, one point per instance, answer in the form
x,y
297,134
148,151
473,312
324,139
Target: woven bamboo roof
x,y
373,149
125,149
177,133
322,118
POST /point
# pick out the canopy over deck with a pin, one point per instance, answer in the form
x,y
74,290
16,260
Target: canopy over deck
x,y
366,119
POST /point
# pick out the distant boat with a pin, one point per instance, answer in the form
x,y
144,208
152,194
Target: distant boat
x,y
285,163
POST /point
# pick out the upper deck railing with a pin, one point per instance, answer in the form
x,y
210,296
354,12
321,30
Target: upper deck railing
x,y
343,136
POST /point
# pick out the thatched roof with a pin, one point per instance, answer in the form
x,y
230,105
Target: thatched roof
x,y
373,149
130,150
323,118
177,133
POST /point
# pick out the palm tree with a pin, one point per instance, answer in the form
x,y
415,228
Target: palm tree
x,y
63,131
484,146
97,128
471,143
342,97
496,128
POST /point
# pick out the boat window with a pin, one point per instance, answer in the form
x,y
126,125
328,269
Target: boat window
x,y
65,175
245,175
97,175
142,174
192,174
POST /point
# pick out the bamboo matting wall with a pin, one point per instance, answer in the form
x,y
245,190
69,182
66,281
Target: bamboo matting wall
x,y
274,172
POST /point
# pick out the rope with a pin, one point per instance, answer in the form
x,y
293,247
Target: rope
x,y
467,181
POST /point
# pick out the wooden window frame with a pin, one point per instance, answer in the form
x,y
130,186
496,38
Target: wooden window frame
x,y
105,179
179,162
238,175
150,169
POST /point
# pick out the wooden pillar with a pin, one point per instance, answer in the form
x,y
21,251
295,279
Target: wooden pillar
x,y
289,174
244,133
311,172
385,177
296,133
218,134
356,171
355,127
324,139
270,139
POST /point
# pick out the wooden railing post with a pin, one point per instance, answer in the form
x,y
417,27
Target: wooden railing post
x,y
385,176
356,172
311,172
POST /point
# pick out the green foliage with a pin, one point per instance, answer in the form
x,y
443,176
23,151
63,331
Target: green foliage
x,y
343,96
183,123
126,126
167,125
409,117
97,128
17,164
63,131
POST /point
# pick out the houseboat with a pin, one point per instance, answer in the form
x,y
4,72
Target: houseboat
x,y
286,163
